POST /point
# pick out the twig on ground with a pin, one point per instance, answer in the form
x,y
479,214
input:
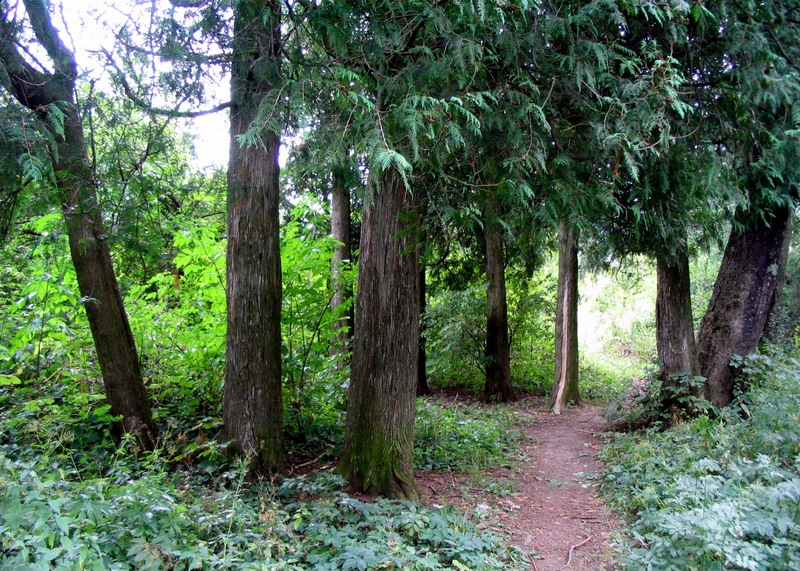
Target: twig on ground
x,y
572,549
293,469
533,562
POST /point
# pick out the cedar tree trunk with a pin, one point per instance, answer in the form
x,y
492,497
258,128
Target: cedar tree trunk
x,y
340,230
379,435
565,387
422,360
111,332
674,326
252,408
498,352
749,276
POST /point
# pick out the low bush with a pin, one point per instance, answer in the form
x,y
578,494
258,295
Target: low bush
x,y
714,494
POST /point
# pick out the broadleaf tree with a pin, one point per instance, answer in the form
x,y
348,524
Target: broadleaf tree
x,y
51,98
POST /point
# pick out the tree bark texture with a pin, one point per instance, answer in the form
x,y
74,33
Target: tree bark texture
x,y
674,326
565,386
97,282
252,406
379,436
342,293
422,360
744,294
498,351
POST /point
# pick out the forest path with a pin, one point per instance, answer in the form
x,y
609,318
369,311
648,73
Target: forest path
x,y
548,501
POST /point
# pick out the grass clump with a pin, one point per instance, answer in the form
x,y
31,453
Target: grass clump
x,y
716,493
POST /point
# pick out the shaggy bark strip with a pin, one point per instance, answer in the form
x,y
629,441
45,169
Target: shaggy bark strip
x,y
379,436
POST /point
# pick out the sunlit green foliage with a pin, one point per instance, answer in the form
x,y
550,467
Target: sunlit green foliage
x,y
458,437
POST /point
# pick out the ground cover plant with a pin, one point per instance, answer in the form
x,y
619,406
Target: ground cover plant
x,y
727,493
153,519
186,507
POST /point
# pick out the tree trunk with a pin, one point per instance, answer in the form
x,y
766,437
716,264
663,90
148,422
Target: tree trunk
x,y
252,407
674,327
379,436
744,294
565,387
498,352
422,360
342,292
97,282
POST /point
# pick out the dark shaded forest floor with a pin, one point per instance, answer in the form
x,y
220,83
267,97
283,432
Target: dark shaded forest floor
x,y
546,501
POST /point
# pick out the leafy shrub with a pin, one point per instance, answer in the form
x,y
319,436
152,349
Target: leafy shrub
x,y
454,437
716,494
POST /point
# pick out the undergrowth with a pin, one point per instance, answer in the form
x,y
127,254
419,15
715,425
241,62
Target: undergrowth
x,y
70,498
457,437
716,494
154,519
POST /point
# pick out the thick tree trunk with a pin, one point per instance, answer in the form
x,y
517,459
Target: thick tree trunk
x,y
252,407
379,437
674,326
744,294
565,386
111,332
342,293
498,352
422,360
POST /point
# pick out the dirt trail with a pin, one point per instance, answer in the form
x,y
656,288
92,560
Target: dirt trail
x,y
548,502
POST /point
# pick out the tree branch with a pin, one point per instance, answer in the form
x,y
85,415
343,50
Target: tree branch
x,y
46,33
146,106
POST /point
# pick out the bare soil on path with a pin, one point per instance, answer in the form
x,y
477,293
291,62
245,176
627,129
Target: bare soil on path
x,y
547,502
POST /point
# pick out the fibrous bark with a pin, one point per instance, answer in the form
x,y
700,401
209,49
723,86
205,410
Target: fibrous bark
x,y
252,407
422,360
565,386
342,255
744,294
674,326
379,436
498,351
97,282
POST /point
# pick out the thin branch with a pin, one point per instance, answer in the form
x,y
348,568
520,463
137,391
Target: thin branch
x,y
146,106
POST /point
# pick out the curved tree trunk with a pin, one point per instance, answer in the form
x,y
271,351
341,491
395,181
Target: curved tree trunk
x,y
498,352
565,387
674,326
97,282
342,255
744,294
379,436
252,407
